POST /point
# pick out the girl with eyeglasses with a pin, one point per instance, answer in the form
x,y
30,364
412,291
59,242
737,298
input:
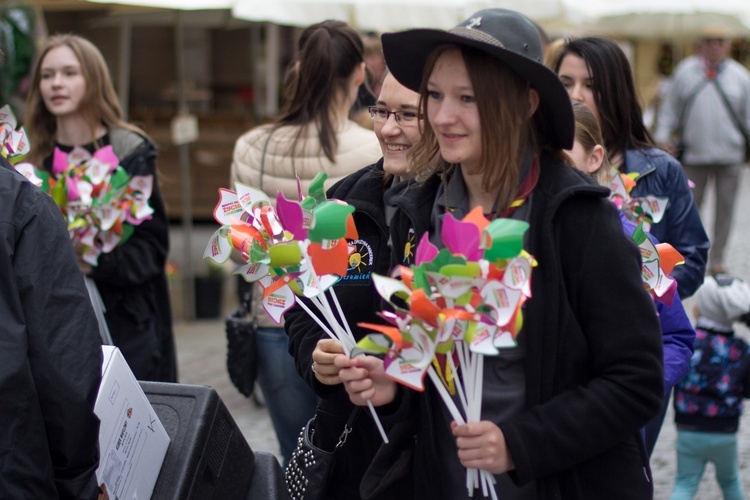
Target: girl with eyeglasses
x,y
397,127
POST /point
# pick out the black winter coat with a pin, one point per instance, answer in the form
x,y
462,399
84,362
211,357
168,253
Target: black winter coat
x,y
593,364
50,354
364,190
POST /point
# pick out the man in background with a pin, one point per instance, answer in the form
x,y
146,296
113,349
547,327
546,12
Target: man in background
x,y
705,117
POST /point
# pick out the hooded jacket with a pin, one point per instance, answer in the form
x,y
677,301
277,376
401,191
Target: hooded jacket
x,y
593,365
50,359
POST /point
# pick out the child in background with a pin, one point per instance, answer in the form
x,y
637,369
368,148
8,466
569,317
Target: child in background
x,y
678,335
708,402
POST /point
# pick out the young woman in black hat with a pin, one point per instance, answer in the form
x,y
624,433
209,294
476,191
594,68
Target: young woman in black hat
x,y
397,127
561,413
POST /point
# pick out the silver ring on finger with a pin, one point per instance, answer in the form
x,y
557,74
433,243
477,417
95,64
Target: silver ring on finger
x,y
313,368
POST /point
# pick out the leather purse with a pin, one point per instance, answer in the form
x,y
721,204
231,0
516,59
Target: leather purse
x,y
309,465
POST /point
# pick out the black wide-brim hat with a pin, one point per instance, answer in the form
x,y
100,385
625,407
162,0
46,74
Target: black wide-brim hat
x,y
504,34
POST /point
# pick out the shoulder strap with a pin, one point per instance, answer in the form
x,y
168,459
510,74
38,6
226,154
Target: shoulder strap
x,y
263,155
348,426
735,118
689,103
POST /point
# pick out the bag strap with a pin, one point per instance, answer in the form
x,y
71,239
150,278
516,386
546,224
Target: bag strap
x,y
247,297
263,155
688,104
734,116
246,300
348,427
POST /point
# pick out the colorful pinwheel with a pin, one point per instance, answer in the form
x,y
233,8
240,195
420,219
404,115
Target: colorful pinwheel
x,y
648,210
658,260
14,145
298,248
99,200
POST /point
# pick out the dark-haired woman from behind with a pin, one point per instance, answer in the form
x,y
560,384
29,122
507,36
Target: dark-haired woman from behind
x,y
313,134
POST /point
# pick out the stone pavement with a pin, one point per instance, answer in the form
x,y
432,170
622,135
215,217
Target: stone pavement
x,y
201,347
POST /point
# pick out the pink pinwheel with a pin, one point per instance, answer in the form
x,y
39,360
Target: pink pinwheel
x,y
98,198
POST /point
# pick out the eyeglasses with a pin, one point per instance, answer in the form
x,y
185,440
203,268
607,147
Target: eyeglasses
x,y
717,41
381,115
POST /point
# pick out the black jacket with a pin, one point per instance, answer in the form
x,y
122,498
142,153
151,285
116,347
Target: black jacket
x,y
364,190
132,279
50,355
593,350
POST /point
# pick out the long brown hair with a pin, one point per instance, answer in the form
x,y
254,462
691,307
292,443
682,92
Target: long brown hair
x,y
329,52
98,106
502,99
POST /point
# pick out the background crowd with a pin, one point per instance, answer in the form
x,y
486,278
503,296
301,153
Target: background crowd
x,y
575,409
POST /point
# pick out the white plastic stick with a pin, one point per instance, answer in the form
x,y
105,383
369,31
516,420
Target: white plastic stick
x,y
317,320
345,334
457,381
325,308
449,403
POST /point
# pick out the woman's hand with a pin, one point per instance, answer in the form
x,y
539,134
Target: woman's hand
x,y
325,352
364,379
481,445
103,495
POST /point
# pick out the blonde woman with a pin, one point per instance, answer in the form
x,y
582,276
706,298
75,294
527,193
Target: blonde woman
x,y
71,102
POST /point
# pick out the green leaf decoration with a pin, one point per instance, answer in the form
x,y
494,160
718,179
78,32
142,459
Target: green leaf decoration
x,y
329,221
127,232
507,238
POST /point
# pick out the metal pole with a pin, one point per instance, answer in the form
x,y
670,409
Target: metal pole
x,y
184,156
123,72
256,40
273,58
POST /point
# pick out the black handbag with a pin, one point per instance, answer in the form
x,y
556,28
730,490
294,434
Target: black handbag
x,y
309,465
242,351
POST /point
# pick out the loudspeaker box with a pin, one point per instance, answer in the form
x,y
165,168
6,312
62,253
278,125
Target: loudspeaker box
x,y
208,457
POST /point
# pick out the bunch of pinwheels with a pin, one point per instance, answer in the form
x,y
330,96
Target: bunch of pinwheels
x,y
99,200
14,145
451,308
658,260
648,210
298,248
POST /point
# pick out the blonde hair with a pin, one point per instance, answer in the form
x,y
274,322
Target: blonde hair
x,y
98,106
589,135
552,52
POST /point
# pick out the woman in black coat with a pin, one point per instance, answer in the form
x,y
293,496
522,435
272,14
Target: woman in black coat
x,y
561,411
396,124
71,102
